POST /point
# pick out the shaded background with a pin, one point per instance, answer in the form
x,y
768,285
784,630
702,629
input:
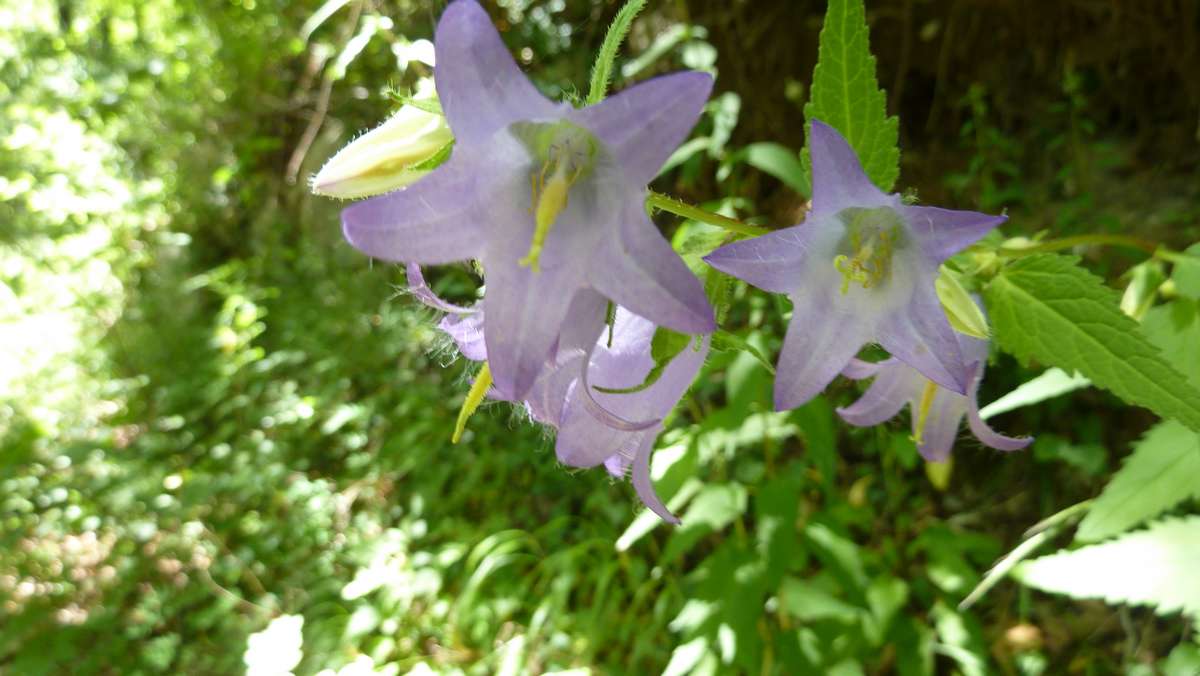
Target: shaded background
x,y
215,417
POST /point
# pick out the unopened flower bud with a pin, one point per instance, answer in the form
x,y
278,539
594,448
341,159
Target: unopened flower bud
x,y
389,157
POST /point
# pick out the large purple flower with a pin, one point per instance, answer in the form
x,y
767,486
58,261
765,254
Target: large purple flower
x,y
550,199
594,427
859,269
937,412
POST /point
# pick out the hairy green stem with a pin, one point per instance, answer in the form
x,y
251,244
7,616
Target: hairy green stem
x,y
674,206
1081,240
602,70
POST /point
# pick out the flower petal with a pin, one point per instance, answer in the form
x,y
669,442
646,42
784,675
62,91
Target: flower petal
x,y
859,369
585,318
467,333
421,291
979,428
772,262
941,425
892,389
838,179
640,271
821,340
643,484
525,315
641,126
944,232
435,220
481,88
920,335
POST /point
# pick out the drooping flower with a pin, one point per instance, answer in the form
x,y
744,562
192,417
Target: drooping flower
x,y
387,157
593,427
937,412
859,269
548,197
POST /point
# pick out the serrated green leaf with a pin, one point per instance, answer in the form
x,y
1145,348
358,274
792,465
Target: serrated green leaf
x,y
1175,329
1186,273
1046,307
846,95
1162,472
1155,567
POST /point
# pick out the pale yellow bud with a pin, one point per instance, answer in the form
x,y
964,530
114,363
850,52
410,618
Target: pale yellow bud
x,y
386,157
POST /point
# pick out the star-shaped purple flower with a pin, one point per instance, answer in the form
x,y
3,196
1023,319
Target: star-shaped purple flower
x,y
937,412
550,198
594,427
859,269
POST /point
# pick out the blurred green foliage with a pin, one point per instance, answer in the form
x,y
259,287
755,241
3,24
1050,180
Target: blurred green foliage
x,y
224,438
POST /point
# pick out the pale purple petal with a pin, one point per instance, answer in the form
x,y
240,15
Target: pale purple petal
x,y
859,369
644,124
640,271
821,340
920,335
644,485
941,424
548,395
586,317
525,313
944,232
421,291
435,220
885,397
467,333
838,179
772,262
979,428
481,88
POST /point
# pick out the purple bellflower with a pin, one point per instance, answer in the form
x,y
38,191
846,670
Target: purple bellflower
x,y
937,412
859,269
550,198
594,427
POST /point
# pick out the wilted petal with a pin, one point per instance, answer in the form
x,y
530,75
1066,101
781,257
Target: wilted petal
x,y
480,86
920,336
821,340
435,220
644,485
945,232
772,262
644,124
883,399
640,271
979,428
941,425
838,180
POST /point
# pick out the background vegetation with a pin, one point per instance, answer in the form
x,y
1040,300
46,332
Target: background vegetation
x,y
224,437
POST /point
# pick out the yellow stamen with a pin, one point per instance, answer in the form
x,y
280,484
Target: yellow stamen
x,y
549,201
923,411
474,398
871,262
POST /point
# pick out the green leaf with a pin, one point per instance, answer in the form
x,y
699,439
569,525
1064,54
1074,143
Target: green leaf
x,y
846,95
781,162
1175,329
1186,273
1155,567
1161,472
1046,307
1051,383
809,603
